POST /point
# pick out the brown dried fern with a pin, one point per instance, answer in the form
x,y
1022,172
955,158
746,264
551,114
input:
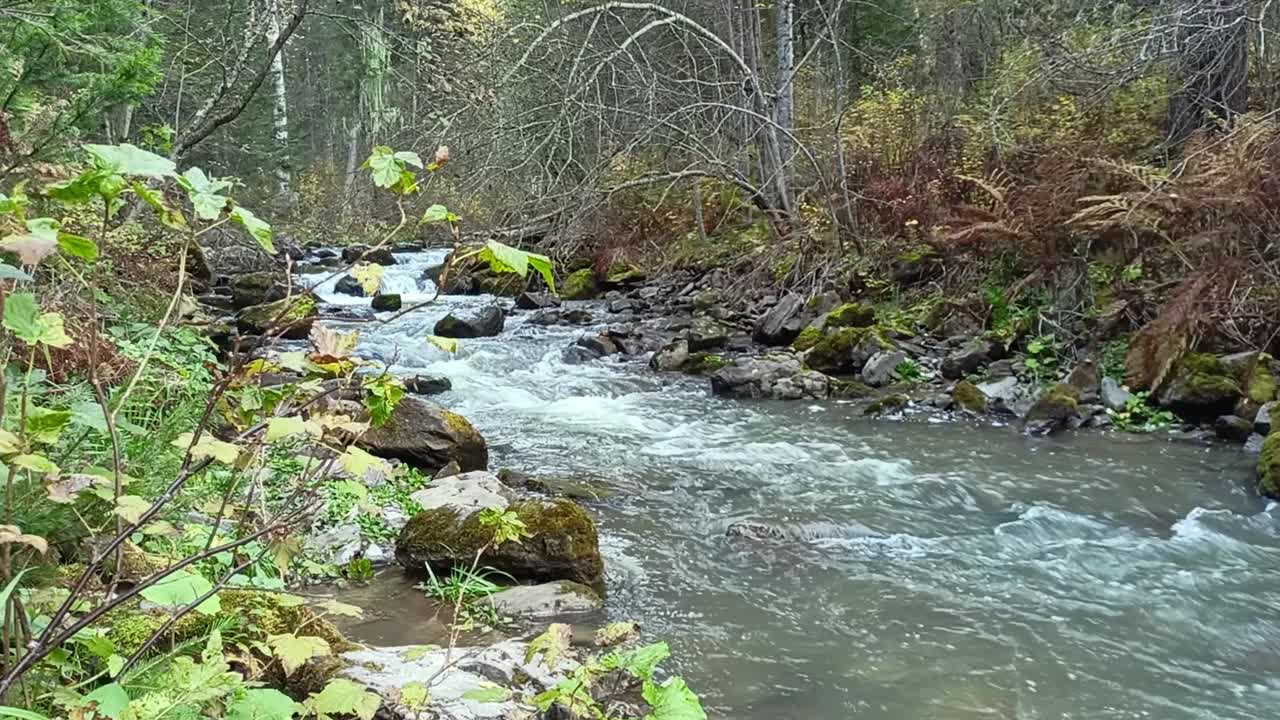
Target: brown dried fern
x,y
1162,342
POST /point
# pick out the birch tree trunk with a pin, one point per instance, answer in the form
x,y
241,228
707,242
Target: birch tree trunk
x,y
280,113
784,108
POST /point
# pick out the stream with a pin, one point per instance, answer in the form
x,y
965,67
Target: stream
x,y
957,571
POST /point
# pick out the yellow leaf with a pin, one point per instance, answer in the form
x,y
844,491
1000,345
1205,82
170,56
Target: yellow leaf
x,y
9,443
333,607
35,463
223,452
131,507
448,345
362,465
283,427
370,277
331,345
293,651
13,535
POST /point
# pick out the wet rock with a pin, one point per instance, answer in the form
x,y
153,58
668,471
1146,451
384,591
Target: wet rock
x,y
1084,377
1114,396
624,305
847,350
967,397
849,315
363,253
781,324
488,322
290,318
547,601
970,358
1004,392
805,532
348,285
887,405
598,345
776,375
427,436
623,276
1202,385
580,285
1233,428
881,368
1262,422
385,302
707,334
576,316
428,384
458,679
537,301
672,357
1000,369
563,544
649,292
1269,466
448,470
256,288
465,493
1056,409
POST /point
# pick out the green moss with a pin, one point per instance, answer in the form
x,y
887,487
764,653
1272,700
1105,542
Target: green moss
x,y
1269,466
850,390
502,284
808,337
704,363
295,312
1262,384
1057,403
968,397
623,272
888,403
460,426
851,315
580,285
832,354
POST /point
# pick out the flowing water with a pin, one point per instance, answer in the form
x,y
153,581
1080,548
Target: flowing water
x,y
954,571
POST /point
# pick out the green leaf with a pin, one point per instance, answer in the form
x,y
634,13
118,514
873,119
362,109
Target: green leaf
x,y
9,272
115,664
77,246
553,644
333,607
36,244
362,465
9,443
344,697
640,662
23,318
204,192
490,693
111,700
45,425
35,463
293,652
282,427
672,700
180,589
435,214
414,695
170,216
409,158
255,226
384,167
127,159
263,704
13,204
13,712
448,345
131,507
504,258
417,652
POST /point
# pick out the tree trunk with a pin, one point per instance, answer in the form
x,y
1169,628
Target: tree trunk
x,y
1214,44
784,108
280,113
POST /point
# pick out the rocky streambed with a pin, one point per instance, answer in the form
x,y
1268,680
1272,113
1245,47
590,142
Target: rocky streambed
x,y
808,560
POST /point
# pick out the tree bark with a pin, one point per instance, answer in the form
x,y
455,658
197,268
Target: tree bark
x,y
280,109
1214,41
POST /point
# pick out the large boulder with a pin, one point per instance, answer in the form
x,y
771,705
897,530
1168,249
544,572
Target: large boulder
x,y
465,493
348,285
579,285
1055,409
291,317
845,351
537,301
427,436
881,368
849,315
386,302
363,253
559,600
488,322
1202,385
781,324
707,334
969,358
778,376
563,543
256,288
967,397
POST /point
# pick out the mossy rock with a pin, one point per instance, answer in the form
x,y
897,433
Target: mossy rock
x,y
850,390
564,544
807,339
428,437
623,274
704,363
887,404
255,288
1058,403
579,285
969,398
1202,385
840,351
296,316
851,315
1261,385
1269,466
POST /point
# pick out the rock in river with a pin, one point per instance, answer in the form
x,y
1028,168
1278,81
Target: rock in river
x,y
778,375
563,543
781,324
546,601
486,323
427,436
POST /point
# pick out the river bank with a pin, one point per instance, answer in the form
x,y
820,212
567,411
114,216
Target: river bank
x,y
1003,573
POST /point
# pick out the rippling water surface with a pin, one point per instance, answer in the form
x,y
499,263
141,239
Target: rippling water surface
x,y
954,571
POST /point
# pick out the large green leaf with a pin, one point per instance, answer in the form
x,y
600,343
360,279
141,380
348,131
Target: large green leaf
x,y
672,700
293,651
263,704
111,700
76,246
128,159
504,258
344,697
13,712
180,589
205,193
640,662
255,226
23,318
384,166
170,216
